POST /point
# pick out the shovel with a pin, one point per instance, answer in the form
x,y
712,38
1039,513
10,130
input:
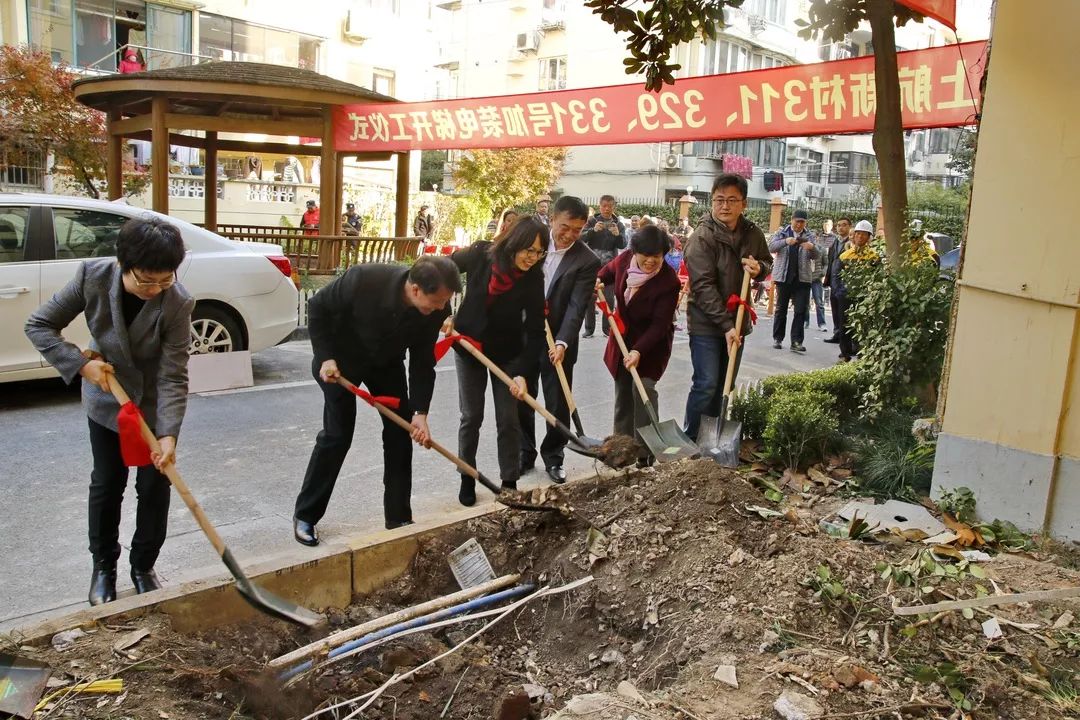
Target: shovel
x,y
461,464
720,438
580,445
666,440
567,393
260,599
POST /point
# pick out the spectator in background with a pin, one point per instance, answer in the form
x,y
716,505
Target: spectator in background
x,y
293,172
309,221
507,221
795,250
859,251
132,62
424,225
823,242
543,203
351,223
843,232
635,221
606,237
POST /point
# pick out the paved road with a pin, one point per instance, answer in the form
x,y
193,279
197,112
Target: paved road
x,y
244,453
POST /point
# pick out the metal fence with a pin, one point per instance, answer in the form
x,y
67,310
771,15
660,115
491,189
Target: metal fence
x,y
325,254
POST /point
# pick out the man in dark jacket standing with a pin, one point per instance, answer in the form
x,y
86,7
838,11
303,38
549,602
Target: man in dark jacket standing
x,y
570,269
716,254
606,237
424,225
795,252
843,233
361,326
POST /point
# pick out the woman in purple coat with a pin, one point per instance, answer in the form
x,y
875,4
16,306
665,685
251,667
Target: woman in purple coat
x,y
646,292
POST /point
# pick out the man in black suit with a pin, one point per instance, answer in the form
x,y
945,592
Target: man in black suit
x,y
569,279
361,326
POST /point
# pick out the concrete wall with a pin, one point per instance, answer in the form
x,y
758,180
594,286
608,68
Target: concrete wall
x,y
1008,432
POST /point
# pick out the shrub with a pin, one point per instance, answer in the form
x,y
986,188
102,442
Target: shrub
x,y
750,407
800,426
891,461
840,382
901,319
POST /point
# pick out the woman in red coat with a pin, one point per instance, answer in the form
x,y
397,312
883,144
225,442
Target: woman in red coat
x,y
646,293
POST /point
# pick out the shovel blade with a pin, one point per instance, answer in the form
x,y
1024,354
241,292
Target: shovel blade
x,y
709,432
268,602
726,450
667,442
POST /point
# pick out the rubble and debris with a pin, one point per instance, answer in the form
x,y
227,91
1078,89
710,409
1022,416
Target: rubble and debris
x,y
792,705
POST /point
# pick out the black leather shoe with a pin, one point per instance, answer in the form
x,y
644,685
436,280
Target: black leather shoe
x,y
798,347
777,345
835,339
508,485
145,580
467,494
305,532
394,524
587,335
102,584
556,473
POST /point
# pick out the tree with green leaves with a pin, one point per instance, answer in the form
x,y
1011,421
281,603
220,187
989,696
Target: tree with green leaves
x,y
500,179
962,158
39,112
659,25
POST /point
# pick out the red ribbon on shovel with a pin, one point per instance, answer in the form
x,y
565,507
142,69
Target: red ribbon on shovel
x,y
601,303
733,303
443,346
390,402
133,448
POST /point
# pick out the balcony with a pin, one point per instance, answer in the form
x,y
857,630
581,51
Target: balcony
x,y
153,59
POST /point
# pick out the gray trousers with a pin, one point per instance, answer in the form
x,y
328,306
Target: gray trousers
x,y
630,412
472,391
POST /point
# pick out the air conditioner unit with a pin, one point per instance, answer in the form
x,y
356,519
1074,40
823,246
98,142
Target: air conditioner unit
x,y
827,191
673,161
354,29
525,42
789,188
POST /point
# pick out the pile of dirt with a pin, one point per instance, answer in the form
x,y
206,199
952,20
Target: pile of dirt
x,y
707,601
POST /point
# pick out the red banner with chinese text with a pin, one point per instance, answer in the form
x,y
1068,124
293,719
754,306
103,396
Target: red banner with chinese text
x,y
821,99
944,11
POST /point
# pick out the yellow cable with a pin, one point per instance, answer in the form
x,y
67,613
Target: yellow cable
x,y
112,686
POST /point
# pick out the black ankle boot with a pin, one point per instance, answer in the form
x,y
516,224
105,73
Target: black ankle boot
x,y
509,485
103,583
467,494
145,580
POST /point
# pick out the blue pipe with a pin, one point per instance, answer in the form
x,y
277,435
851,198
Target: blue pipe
x,y
459,609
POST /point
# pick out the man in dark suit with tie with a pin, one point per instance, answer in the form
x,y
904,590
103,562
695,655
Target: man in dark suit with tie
x,y
361,325
569,278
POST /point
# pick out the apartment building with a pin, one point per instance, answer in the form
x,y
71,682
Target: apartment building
x,y
383,45
517,46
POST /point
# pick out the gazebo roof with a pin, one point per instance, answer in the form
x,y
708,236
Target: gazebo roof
x,y
224,88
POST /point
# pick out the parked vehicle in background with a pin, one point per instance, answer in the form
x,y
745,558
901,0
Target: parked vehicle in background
x,y
950,260
244,293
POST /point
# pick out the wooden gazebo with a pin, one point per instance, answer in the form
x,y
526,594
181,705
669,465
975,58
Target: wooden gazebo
x,y
233,97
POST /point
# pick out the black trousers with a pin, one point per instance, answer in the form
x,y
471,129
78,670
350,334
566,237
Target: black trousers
x,y
590,315
837,311
334,440
848,347
799,294
553,446
108,481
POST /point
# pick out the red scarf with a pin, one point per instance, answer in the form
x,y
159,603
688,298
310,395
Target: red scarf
x,y
501,281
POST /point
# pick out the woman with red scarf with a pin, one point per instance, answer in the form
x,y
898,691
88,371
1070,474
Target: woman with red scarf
x,y
646,294
503,310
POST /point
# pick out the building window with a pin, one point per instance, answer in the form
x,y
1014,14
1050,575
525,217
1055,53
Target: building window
x,y
725,56
553,73
223,38
851,168
943,140
771,10
813,164
22,170
767,153
382,81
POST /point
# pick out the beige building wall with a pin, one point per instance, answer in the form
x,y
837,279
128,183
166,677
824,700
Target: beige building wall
x,y
1007,430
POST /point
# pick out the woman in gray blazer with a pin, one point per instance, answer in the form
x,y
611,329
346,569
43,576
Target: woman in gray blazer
x,y
139,318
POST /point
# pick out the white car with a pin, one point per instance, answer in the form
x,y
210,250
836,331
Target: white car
x,y
245,296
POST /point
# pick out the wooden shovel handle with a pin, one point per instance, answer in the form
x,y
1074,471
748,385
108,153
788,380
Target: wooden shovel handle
x,y
171,472
613,327
509,381
407,427
560,371
729,379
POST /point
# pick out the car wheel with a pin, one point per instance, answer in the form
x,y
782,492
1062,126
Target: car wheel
x,y
214,330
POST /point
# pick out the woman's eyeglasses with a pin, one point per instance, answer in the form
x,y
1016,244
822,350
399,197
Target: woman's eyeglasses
x,y
535,254
165,285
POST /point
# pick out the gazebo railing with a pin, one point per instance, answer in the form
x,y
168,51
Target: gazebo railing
x,y
325,254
